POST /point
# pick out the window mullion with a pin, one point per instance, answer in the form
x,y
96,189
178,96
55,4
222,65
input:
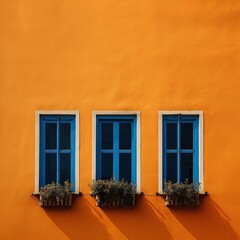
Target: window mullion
x,y
58,151
179,148
116,151
72,152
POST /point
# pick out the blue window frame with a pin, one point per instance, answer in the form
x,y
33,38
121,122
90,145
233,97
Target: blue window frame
x,y
181,148
57,149
116,147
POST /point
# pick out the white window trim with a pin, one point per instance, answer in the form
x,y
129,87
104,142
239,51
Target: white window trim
x,y
138,142
37,147
200,157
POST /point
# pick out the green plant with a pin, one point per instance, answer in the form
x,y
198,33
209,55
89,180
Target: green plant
x,y
56,194
111,192
182,192
111,187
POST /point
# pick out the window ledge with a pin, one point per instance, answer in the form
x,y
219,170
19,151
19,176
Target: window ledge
x,y
164,194
73,193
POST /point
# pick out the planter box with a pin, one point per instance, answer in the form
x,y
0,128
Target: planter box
x,y
109,201
55,202
171,201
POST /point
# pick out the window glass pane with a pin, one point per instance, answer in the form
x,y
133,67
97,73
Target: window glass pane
x,y
65,136
106,136
172,167
186,135
125,166
51,135
171,135
65,167
125,135
51,167
187,167
106,165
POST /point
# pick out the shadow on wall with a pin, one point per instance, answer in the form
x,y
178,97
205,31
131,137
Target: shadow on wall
x,y
86,222
79,221
139,222
145,221
207,222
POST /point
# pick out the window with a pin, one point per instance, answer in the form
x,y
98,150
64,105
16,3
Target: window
x,y
181,147
57,149
115,148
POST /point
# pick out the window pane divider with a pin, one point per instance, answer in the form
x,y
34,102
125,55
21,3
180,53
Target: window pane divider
x,y
125,151
116,151
50,150
65,151
171,151
106,151
58,153
186,151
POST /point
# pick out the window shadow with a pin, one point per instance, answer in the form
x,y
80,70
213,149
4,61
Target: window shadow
x,y
144,221
139,222
80,221
208,221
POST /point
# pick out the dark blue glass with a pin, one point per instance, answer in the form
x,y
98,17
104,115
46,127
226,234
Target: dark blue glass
x,y
50,167
172,167
65,167
125,166
171,135
187,167
65,135
106,136
106,166
125,135
186,135
51,135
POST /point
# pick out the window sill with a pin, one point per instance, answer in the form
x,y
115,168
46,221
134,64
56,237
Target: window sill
x,y
199,193
73,193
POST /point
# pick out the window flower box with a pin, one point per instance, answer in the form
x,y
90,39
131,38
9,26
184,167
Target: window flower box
x,y
116,201
110,193
174,201
56,202
181,194
56,195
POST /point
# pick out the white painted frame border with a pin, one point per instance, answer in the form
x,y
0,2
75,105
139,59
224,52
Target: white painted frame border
x,y
138,142
37,145
200,157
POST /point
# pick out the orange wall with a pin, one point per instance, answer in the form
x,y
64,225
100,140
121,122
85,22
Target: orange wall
x,y
147,55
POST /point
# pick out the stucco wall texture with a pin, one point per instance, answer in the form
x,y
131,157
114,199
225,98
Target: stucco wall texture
x,y
147,55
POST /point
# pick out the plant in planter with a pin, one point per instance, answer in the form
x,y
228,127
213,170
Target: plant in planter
x,y
113,193
184,194
54,194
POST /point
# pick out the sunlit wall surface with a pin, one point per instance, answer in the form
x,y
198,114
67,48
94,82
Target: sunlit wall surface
x,y
144,56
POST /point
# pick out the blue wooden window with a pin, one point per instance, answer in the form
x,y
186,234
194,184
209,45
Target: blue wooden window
x,y
57,149
116,147
181,148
